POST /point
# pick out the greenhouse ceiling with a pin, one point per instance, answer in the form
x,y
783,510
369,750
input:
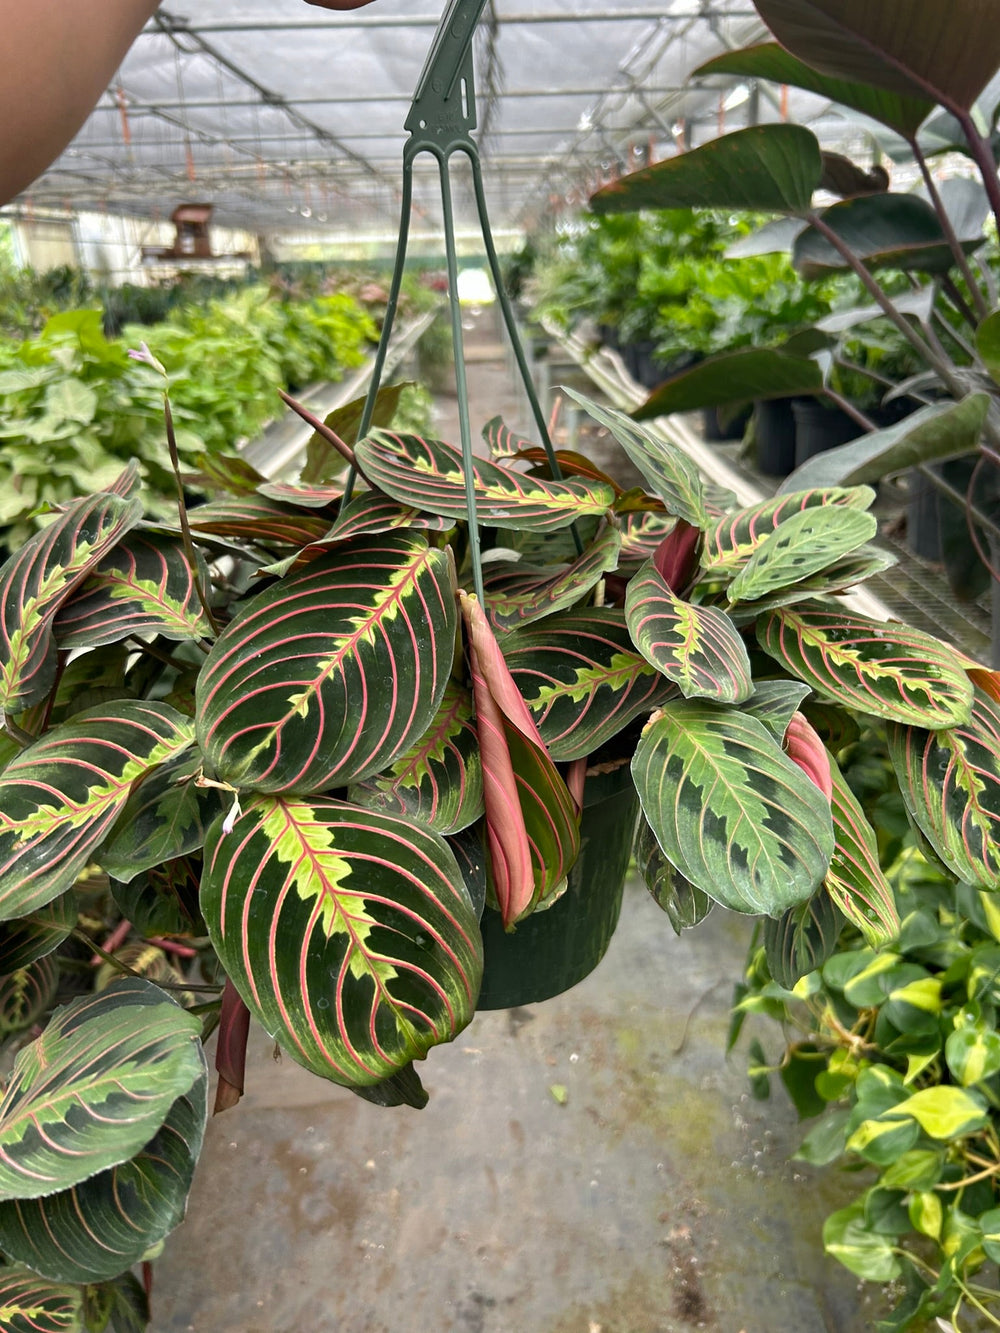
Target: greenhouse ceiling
x,y
287,117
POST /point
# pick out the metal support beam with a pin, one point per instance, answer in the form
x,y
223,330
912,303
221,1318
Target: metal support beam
x,y
352,20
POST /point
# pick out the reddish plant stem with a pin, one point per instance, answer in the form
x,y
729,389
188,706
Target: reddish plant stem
x,y
320,427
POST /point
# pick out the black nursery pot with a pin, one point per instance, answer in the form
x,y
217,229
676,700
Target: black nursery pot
x,y
774,428
551,951
818,428
717,428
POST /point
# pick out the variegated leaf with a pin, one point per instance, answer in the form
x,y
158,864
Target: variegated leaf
x,y
38,578
642,533
950,782
518,596
774,701
95,1087
698,648
31,1304
803,545
318,496
551,820
502,441
855,880
27,993
438,782
332,673
429,475
843,574
372,512
144,586
582,679
801,939
731,541
669,472
60,796
731,811
348,933
684,905
102,1226
166,816
26,938
885,669
255,518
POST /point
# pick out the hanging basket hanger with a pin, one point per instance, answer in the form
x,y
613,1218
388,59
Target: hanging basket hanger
x,y
440,122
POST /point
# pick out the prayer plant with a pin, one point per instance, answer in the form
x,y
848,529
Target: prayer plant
x,y
273,762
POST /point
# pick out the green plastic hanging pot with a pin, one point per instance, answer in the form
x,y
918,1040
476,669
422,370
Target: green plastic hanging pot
x,y
551,951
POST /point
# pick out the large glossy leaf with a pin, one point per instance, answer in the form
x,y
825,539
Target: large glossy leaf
x,y
917,48
731,811
883,231
26,938
429,475
804,544
38,578
516,596
31,1304
950,782
333,672
582,679
669,471
938,431
772,62
60,796
767,168
733,377
166,816
144,586
348,933
27,993
104,1225
255,518
885,669
801,939
697,648
855,880
95,1087
438,782
734,538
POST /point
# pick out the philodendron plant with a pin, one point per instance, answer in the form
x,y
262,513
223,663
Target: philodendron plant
x,y
299,742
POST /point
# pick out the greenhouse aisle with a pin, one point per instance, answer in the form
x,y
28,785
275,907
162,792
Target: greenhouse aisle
x,y
590,1165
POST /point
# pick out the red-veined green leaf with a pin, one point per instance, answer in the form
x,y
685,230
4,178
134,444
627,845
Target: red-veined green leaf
x,y
571,464
885,669
843,574
773,702
26,994
97,1229
642,534
26,938
257,519
95,1087
60,796
517,596
166,816
347,932
802,545
502,441
551,819
438,782
731,541
429,475
305,496
731,811
801,939
144,586
668,470
698,648
372,512
38,578
582,679
329,675
950,782
855,880
31,1304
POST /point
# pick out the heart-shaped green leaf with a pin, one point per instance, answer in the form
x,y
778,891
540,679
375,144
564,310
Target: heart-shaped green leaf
x,y
95,1087
885,669
60,796
730,809
733,377
582,679
38,578
348,933
772,62
429,475
97,1229
698,648
803,545
950,782
293,697
732,540
766,168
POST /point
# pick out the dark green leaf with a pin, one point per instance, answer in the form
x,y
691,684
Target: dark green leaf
x,y
988,343
684,905
802,939
883,231
26,938
734,377
27,993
